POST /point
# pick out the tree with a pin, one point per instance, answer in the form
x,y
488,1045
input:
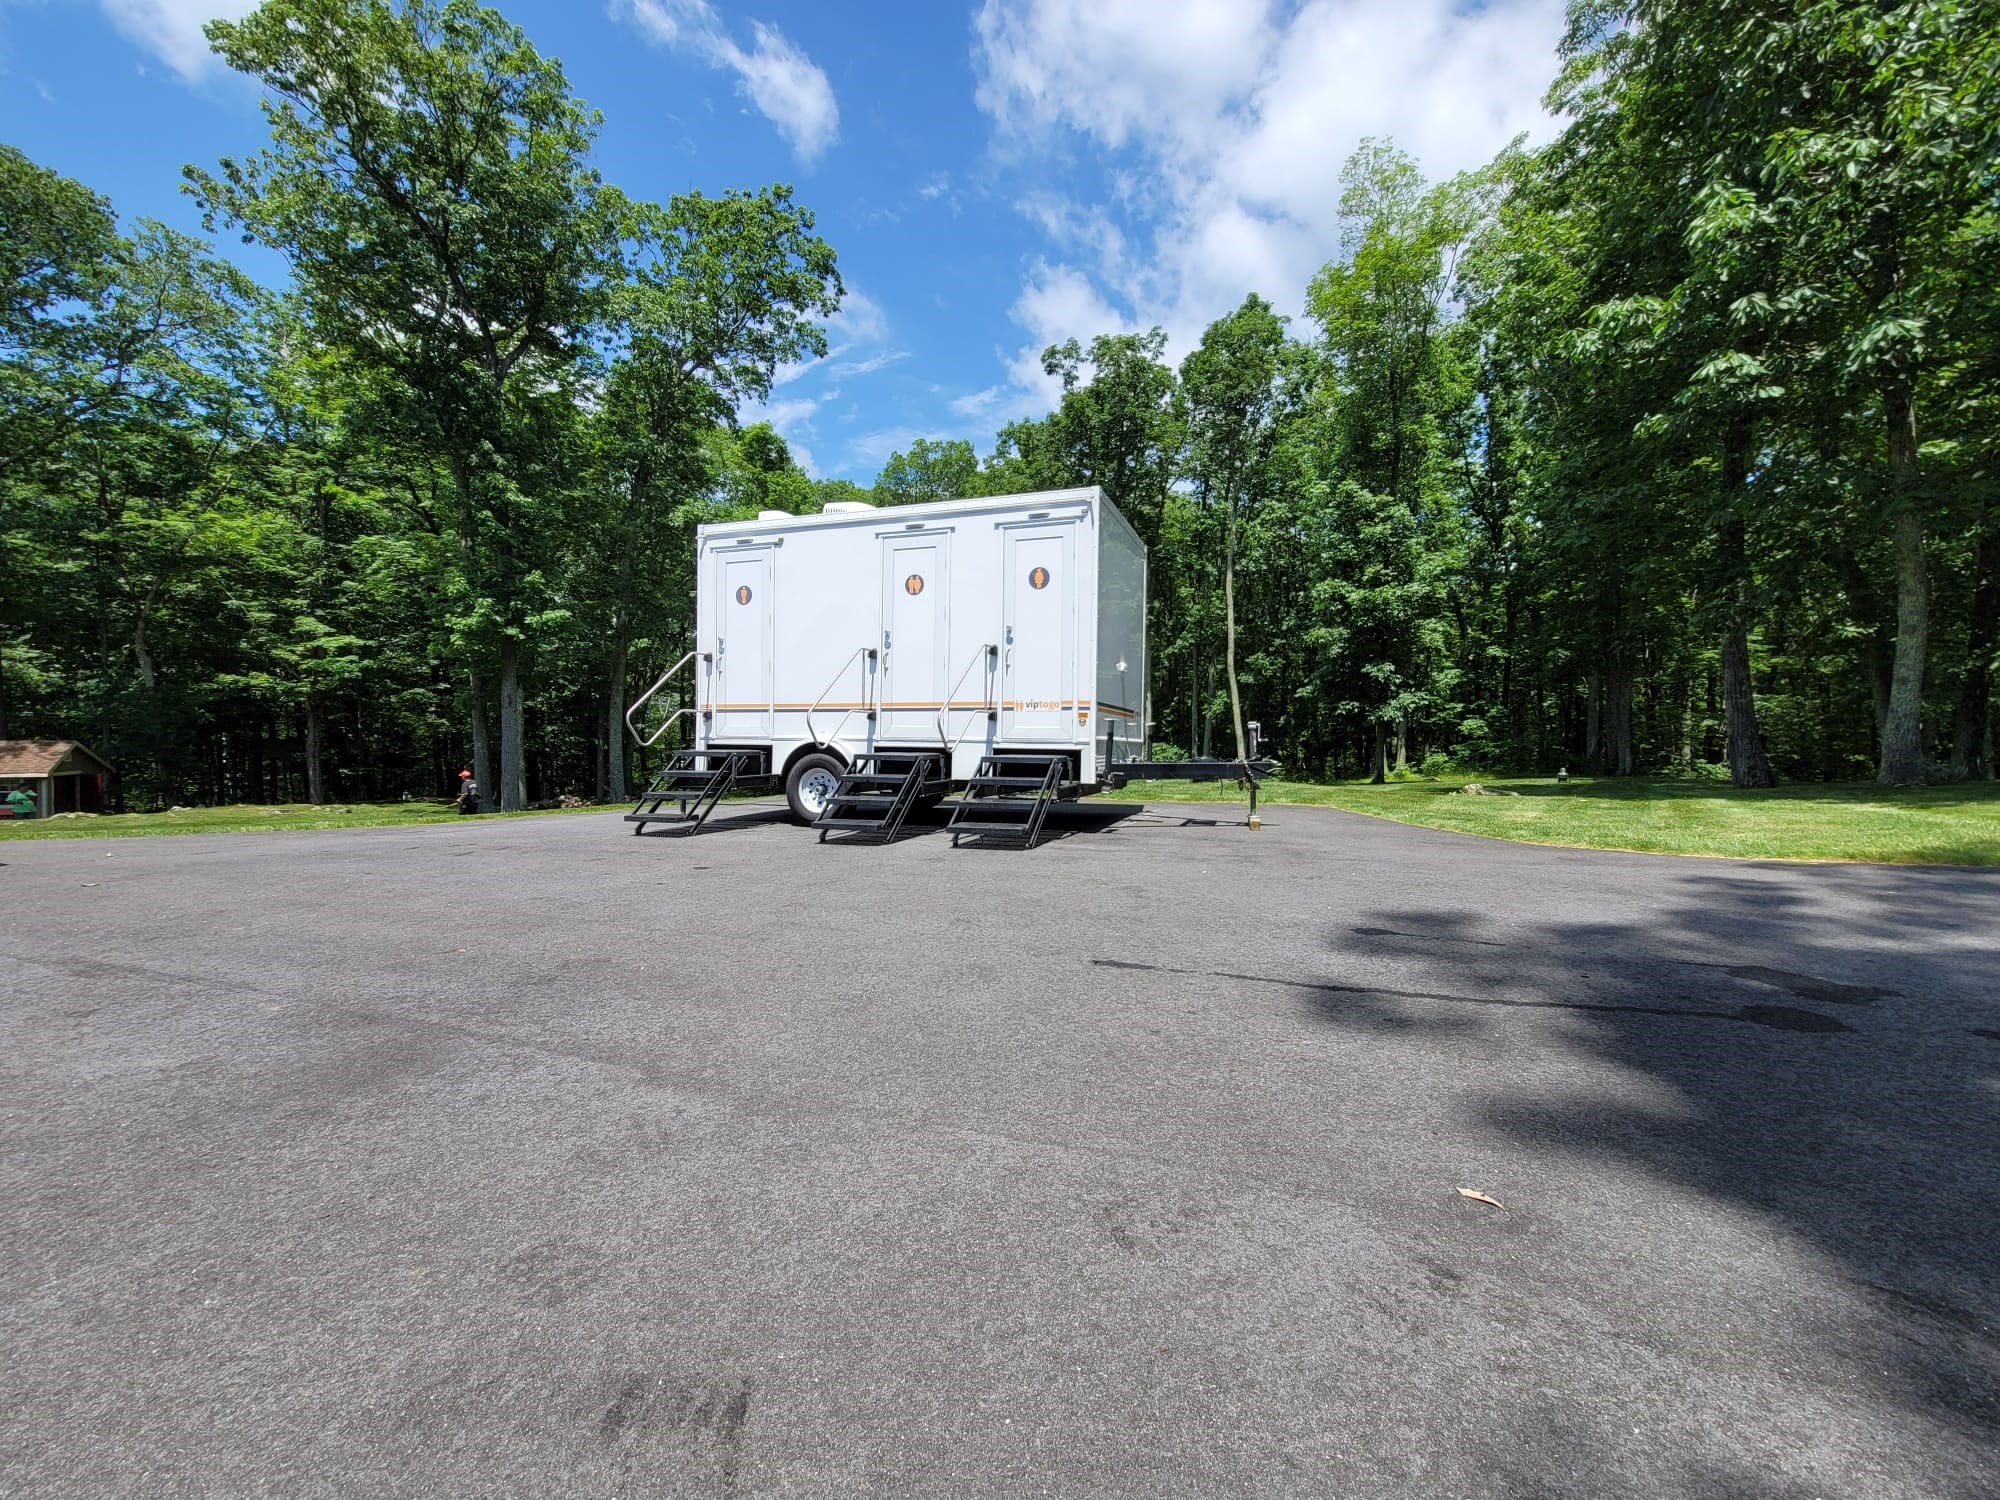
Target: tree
x,y
59,259
1116,428
428,179
721,292
1857,167
947,470
1228,387
1397,374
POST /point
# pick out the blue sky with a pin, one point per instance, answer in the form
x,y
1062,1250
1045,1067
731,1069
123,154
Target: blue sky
x,y
996,175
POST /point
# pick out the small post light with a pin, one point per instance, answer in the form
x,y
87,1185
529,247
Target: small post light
x,y
1562,776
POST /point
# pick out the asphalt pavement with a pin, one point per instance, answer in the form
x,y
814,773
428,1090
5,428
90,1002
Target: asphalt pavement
x,y
528,1157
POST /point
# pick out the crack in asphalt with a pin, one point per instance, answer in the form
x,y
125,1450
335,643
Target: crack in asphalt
x,y
1776,1017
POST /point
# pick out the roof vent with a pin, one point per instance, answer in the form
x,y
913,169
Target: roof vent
x,y
774,515
848,507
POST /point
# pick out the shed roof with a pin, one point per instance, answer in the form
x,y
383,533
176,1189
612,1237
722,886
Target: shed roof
x,y
48,757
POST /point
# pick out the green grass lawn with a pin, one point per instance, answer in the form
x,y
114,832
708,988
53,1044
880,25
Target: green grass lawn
x,y
246,818
1955,825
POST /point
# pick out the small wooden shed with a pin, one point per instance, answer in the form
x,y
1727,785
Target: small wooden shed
x,y
63,775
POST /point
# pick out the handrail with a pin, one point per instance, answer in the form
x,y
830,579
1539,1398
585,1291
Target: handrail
x,y
950,697
859,651
645,697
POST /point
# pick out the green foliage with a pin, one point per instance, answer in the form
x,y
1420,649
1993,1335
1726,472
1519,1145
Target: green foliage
x,y
929,471
1674,443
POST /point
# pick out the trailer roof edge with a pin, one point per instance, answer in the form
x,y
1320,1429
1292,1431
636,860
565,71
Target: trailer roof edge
x,y
904,514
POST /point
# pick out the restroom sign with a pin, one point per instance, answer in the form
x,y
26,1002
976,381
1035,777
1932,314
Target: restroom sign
x,y
914,584
743,594
1038,578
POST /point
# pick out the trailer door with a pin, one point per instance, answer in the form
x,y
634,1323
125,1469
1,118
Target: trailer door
x,y
1038,635
740,688
915,634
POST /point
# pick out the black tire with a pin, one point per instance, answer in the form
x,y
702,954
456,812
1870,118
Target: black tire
x,y
800,792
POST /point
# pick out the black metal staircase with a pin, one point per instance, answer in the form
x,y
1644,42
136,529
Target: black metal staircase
x,y
695,780
1009,798
877,792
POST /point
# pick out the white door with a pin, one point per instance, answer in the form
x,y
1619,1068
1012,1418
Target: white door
x,y
740,681
1038,636
914,638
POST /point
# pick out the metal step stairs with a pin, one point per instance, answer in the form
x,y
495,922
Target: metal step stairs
x,y
1009,798
877,792
695,781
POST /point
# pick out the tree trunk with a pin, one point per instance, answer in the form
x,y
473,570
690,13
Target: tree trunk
x,y
1972,737
1686,759
513,726
1748,765
1381,754
141,657
1229,634
1903,736
1593,721
1402,742
315,773
1618,718
614,719
1878,660
482,745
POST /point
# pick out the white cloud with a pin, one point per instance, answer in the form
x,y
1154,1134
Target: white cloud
x,y
867,366
783,414
860,318
1118,69
1059,302
1221,127
788,88
171,29
874,448
859,321
979,403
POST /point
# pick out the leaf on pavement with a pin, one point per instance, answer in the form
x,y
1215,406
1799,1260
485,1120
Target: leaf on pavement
x,y
1474,1193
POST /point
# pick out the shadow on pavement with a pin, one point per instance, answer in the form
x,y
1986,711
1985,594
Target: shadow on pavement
x,y
1856,1114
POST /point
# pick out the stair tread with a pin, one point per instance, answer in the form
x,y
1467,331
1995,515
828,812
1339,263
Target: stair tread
x,y
870,823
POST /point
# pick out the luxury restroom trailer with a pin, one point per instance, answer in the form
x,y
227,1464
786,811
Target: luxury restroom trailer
x,y
961,629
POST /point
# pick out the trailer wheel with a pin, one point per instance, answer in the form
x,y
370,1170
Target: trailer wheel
x,y
811,784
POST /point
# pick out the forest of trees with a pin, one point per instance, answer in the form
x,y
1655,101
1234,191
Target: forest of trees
x,y
1668,448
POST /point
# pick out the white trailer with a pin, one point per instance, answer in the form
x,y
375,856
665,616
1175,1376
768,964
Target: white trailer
x,y
842,647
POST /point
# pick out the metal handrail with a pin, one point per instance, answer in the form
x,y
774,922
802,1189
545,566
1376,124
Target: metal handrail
x,y
950,697
859,651
645,697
